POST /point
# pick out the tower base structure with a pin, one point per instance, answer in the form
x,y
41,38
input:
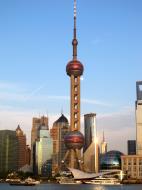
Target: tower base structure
x,y
78,163
74,141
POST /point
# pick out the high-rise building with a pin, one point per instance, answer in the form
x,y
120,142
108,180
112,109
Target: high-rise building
x,y
21,147
28,155
131,145
59,130
36,123
139,118
43,150
8,151
91,158
91,149
74,70
89,129
103,146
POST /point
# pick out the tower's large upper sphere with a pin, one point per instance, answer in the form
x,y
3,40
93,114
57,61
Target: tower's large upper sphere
x,y
74,140
75,68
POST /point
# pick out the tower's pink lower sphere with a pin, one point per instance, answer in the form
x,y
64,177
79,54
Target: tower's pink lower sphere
x,y
74,140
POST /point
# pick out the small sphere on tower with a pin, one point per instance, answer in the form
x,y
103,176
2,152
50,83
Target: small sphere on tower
x,y
74,140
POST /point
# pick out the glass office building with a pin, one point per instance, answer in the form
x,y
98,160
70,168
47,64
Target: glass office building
x,y
131,146
8,151
111,160
89,129
58,132
44,150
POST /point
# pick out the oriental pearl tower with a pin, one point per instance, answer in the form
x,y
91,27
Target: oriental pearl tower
x,y
74,140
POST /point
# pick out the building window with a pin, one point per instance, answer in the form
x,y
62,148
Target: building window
x,y
134,161
140,161
140,168
134,168
129,168
124,161
129,162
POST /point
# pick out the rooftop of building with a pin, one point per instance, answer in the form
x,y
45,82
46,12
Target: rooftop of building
x,y
62,119
90,115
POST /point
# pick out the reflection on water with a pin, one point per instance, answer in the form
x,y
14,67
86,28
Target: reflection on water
x,y
99,188
71,187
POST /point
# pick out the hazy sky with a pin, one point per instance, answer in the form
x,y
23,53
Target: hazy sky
x,y
35,46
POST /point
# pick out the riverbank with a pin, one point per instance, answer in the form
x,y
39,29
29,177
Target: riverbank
x,y
132,181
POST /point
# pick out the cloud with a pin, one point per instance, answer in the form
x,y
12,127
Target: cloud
x,y
95,102
119,127
96,41
34,92
7,85
25,97
10,118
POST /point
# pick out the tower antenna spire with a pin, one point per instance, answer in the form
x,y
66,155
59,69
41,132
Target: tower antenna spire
x,y
103,136
75,18
74,42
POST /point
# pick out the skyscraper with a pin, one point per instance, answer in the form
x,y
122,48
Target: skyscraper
x,y
74,70
36,123
89,129
8,151
131,145
91,149
139,118
43,150
28,154
21,147
59,130
103,147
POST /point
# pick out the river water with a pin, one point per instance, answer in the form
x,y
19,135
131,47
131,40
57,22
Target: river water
x,y
70,187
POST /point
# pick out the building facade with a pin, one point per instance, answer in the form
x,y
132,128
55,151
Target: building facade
x,y
131,165
28,155
91,149
59,130
43,150
91,158
139,118
8,151
103,146
111,160
36,123
131,146
89,129
21,147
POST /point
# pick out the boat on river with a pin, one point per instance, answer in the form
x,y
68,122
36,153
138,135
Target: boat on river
x,y
26,182
103,181
67,180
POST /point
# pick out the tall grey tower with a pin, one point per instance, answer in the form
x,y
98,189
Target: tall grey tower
x,y
89,129
139,118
